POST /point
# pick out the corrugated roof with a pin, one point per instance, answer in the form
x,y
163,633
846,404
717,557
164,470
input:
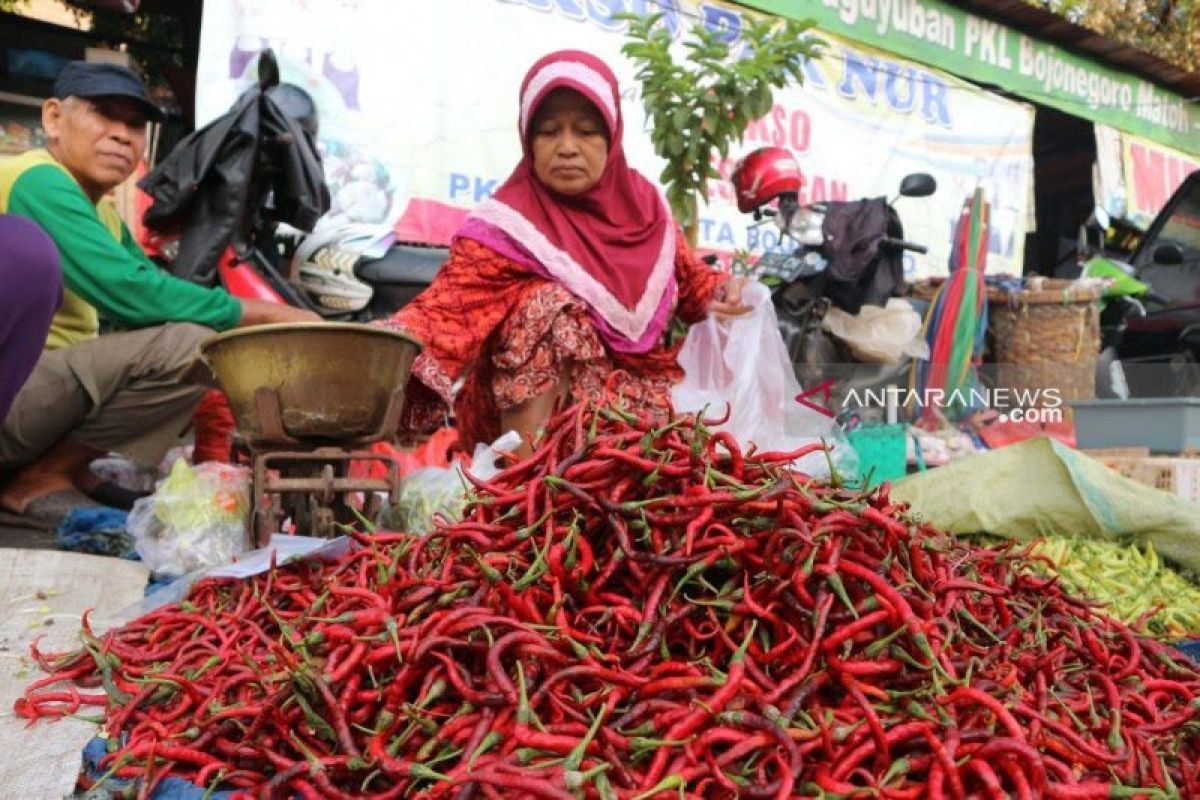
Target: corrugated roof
x,y
1055,28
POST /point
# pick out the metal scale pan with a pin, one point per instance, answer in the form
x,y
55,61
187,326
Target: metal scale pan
x,y
307,399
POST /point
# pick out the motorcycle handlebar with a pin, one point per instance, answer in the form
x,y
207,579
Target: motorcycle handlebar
x,y
900,244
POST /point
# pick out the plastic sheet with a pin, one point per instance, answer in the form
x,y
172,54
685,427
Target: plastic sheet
x,y
742,361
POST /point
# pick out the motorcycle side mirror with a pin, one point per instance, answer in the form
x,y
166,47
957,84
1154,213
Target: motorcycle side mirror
x,y
918,184
1169,254
268,69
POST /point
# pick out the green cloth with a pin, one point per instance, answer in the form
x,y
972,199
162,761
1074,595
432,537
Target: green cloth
x,y
1042,487
105,273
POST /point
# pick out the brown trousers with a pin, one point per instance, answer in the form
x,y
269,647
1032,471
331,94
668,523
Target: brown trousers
x,y
132,393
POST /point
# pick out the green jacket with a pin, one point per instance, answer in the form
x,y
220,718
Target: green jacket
x,y
105,272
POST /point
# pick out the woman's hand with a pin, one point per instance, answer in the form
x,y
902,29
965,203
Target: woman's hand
x,y
727,300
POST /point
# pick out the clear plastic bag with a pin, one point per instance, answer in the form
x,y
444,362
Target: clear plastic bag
x,y
430,493
880,335
196,518
742,361
425,494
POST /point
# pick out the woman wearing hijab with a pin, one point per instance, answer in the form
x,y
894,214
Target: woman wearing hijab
x,y
572,271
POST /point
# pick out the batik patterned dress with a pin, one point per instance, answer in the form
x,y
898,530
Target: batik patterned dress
x,y
495,335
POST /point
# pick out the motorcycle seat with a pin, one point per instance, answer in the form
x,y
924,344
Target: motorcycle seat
x,y
403,264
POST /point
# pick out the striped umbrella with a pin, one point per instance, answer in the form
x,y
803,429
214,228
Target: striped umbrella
x,y
957,318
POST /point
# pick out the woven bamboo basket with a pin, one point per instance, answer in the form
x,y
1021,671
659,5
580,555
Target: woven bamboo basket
x,y
1046,336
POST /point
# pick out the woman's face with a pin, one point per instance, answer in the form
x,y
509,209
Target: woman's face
x,y
569,141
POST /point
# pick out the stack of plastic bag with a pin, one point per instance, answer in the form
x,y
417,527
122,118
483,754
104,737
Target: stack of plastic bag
x,y
196,518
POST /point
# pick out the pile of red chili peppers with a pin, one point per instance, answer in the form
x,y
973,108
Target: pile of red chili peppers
x,y
642,610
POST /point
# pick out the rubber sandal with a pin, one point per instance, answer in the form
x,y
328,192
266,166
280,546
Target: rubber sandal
x,y
114,495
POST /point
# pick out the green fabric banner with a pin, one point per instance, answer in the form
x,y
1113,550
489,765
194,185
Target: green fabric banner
x,y
941,35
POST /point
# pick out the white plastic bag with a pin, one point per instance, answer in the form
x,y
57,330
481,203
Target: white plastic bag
x,y
483,460
124,473
426,493
196,518
433,492
880,335
742,361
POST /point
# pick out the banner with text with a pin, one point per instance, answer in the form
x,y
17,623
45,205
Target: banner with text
x,y
937,32
418,113
1136,176
1152,174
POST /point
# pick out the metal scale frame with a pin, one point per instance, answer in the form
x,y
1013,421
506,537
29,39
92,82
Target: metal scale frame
x,y
308,480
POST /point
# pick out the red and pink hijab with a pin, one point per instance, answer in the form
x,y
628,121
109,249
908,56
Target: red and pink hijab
x,y
612,246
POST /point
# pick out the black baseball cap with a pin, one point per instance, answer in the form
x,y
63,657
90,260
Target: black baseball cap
x,y
91,79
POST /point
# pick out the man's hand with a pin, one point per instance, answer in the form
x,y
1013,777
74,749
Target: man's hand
x,y
728,298
261,312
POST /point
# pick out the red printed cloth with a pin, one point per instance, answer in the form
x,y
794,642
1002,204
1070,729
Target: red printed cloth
x,y
495,335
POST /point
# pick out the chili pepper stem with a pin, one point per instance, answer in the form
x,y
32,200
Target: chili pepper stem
x,y
673,781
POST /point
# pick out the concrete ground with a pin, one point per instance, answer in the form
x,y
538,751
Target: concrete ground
x,y
12,534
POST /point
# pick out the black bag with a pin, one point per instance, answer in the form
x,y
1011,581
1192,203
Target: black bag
x,y
861,271
216,182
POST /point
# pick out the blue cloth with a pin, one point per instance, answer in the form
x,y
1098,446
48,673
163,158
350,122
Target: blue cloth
x,y
1191,649
1009,283
97,530
155,583
168,789
31,277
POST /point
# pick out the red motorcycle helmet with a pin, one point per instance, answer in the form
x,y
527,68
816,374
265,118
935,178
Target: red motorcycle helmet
x,y
764,174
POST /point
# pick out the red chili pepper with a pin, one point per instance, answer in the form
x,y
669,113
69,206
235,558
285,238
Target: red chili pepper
x,y
618,572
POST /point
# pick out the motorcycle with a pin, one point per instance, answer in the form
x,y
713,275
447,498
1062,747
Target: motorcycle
x,y
842,255
238,204
1150,317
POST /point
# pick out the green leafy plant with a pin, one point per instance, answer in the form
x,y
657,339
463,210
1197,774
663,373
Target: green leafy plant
x,y
700,106
742,264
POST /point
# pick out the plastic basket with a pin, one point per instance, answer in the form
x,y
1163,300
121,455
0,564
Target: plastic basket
x,y
1179,476
1163,424
881,452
